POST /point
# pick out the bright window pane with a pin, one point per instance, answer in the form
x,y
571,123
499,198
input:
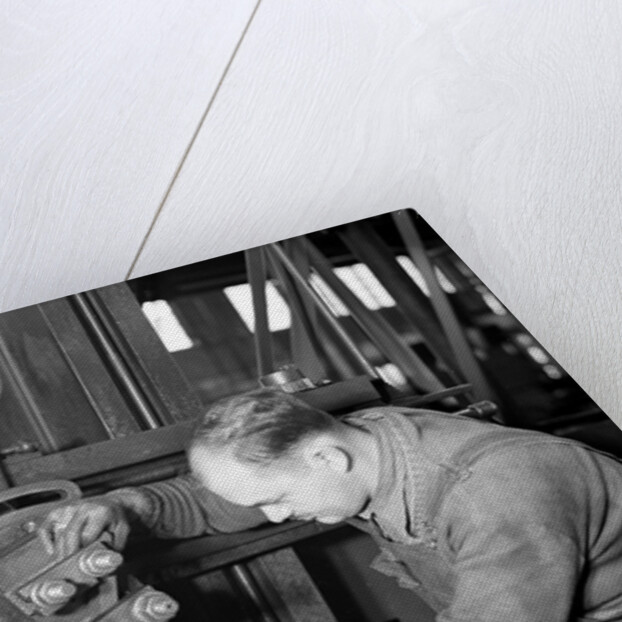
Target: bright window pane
x,y
362,281
413,272
553,372
279,315
166,324
333,302
538,355
493,303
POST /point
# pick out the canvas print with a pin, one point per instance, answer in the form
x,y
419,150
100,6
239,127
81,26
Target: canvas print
x,y
347,426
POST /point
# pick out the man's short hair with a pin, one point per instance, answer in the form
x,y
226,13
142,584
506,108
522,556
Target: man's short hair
x,y
260,426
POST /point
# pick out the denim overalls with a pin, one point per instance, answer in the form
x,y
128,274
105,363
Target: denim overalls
x,y
435,458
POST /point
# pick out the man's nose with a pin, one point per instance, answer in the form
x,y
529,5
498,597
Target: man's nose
x,y
276,513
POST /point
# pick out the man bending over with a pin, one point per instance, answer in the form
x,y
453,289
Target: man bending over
x,y
485,523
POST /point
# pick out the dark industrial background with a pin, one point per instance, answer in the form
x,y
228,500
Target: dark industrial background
x,y
100,389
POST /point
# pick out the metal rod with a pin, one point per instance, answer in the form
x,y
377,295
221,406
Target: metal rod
x,y
249,586
45,437
324,310
376,327
256,272
463,353
368,247
117,363
87,393
416,401
312,354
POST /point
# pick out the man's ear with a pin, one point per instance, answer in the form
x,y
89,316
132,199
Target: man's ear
x,y
324,452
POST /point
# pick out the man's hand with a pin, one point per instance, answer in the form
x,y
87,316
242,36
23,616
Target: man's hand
x,y
69,528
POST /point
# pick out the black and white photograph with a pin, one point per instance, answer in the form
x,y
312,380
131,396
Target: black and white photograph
x,y
310,311
344,426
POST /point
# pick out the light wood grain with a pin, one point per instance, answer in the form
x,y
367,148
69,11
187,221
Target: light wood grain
x,y
98,103
499,121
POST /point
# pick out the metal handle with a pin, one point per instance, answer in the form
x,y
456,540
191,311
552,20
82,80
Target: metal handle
x,y
29,508
69,490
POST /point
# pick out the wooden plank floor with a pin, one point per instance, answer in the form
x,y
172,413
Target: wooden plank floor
x,y
499,122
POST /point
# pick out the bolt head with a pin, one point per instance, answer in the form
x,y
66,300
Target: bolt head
x,y
29,526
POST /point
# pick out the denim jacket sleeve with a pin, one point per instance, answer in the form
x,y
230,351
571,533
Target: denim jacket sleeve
x,y
185,509
516,548
523,577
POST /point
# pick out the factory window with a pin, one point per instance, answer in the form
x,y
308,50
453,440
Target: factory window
x,y
167,326
415,274
536,352
493,303
552,371
362,281
279,315
332,301
358,277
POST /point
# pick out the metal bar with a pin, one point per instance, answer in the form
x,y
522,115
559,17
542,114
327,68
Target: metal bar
x,y
50,346
153,370
256,271
370,248
139,475
302,347
308,337
159,448
589,415
246,581
306,349
108,420
376,327
99,457
215,551
117,363
414,402
10,372
465,358
324,310
289,588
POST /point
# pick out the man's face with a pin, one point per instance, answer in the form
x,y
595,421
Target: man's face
x,y
299,487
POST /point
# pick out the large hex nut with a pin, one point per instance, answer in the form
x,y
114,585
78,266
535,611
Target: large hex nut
x,y
99,562
154,606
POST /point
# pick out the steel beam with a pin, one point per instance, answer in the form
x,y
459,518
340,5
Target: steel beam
x,y
369,248
256,271
347,341
463,353
377,328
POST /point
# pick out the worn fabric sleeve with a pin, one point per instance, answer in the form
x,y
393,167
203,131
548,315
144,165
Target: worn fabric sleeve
x,y
523,575
182,508
517,550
